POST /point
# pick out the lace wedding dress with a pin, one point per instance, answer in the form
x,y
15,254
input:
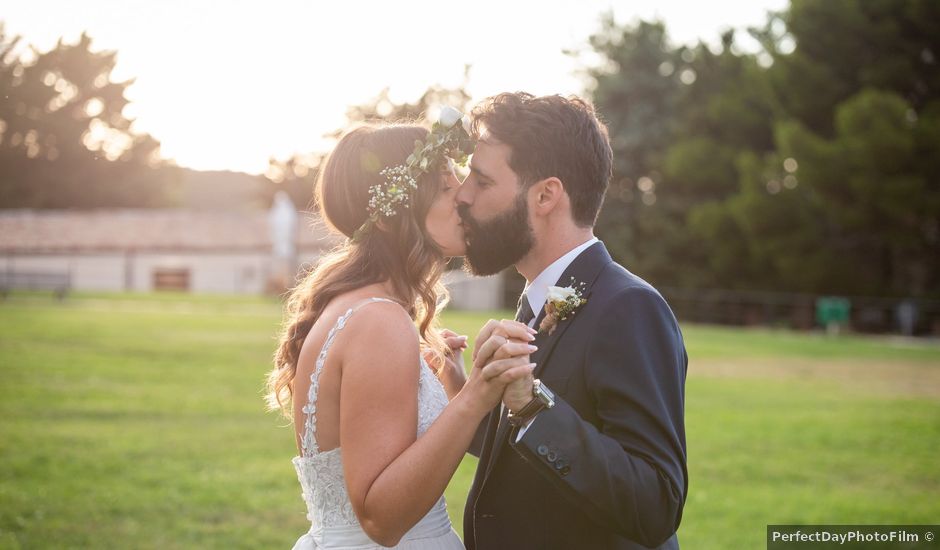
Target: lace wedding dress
x,y
333,522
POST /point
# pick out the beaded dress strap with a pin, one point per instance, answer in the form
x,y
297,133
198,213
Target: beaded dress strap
x,y
308,442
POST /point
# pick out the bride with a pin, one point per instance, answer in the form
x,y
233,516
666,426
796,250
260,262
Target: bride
x,y
382,410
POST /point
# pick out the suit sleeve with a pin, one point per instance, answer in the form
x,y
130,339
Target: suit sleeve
x,y
476,445
629,470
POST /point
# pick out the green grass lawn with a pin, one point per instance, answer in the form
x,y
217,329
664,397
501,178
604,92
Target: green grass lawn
x,y
137,422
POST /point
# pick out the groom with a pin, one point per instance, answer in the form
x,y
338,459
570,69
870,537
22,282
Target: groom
x,y
592,454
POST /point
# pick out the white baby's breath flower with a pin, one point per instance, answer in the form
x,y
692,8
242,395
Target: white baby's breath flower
x,y
559,293
449,116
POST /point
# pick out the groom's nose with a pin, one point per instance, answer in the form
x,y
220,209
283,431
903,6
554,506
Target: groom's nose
x,y
463,195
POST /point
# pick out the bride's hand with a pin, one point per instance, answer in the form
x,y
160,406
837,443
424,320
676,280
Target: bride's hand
x,y
452,373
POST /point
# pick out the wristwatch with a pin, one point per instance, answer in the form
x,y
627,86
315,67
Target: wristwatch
x,y
542,398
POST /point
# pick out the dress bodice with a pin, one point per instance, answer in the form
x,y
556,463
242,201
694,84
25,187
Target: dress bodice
x,y
321,473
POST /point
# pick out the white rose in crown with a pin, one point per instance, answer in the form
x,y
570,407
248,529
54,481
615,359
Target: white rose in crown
x,y
561,302
449,116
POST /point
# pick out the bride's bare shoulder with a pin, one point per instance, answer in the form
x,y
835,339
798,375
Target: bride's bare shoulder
x,y
378,333
383,316
374,320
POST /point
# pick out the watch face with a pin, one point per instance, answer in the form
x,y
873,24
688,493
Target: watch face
x,y
543,394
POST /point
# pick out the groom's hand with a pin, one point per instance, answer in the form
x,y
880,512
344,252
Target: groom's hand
x,y
518,393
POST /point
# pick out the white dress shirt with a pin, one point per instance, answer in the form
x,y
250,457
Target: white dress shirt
x,y
537,291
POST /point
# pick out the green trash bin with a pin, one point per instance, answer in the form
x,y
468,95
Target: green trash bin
x,y
832,313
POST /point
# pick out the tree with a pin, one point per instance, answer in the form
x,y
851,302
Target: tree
x,y
857,121
382,108
843,46
64,141
634,90
679,119
724,120
812,165
295,176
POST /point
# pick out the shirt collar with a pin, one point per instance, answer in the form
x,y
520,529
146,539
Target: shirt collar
x,y
537,290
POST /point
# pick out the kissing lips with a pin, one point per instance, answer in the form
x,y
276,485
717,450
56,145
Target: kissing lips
x,y
466,227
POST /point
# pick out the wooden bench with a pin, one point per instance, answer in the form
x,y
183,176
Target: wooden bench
x,y
59,283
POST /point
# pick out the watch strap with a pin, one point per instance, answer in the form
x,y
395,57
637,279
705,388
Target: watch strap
x,y
531,408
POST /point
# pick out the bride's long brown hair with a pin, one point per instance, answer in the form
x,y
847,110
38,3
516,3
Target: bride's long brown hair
x,y
400,251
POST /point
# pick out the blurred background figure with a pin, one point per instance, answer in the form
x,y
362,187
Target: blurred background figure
x,y
282,220
906,315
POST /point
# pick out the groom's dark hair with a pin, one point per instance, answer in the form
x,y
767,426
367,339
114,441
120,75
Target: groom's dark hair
x,y
552,136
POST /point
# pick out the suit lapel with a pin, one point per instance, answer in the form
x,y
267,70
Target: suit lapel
x,y
584,269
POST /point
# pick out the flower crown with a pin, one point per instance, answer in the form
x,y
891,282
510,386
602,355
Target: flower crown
x,y
447,139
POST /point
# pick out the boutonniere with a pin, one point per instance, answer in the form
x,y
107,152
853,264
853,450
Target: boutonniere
x,y
561,303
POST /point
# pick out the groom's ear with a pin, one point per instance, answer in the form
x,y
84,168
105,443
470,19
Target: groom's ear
x,y
548,193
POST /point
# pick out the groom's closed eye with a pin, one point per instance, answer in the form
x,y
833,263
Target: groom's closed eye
x,y
479,175
480,179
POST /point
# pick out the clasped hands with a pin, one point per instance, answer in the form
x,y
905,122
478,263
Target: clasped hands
x,y
502,369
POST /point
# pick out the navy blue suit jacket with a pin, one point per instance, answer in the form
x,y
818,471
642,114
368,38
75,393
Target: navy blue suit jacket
x,y
606,466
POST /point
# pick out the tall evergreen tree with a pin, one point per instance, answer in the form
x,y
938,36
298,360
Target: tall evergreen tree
x,y
810,166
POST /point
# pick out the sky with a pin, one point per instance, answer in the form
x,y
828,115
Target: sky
x,y
228,84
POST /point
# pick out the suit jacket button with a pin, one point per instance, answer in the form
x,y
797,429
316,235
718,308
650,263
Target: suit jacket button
x,y
564,470
552,457
561,463
542,450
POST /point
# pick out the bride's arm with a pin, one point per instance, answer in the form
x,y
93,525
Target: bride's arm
x,y
394,478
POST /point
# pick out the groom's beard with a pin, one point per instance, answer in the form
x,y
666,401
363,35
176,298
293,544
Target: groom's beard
x,y
494,245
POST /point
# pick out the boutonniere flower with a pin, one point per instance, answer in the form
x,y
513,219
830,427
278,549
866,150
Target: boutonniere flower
x,y
561,303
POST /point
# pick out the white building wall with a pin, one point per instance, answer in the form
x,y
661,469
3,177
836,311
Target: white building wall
x,y
230,273
87,272
98,272
233,273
